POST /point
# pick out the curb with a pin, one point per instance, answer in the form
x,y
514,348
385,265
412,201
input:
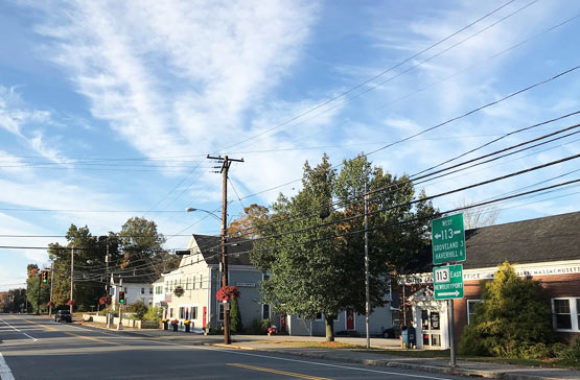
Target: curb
x,y
490,374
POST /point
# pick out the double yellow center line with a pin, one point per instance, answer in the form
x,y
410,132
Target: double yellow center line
x,y
278,372
76,335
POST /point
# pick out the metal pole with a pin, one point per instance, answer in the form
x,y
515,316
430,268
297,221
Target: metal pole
x,y
51,279
453,360
72,260
367,279
38,297
120,324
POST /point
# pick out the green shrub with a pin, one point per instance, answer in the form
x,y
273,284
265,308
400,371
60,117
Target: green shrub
x,y
235,317
571,356
138,308
153,314
558,350
537,351
513,321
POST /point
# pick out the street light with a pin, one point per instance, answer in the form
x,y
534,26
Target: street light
x,y
224,260
193,209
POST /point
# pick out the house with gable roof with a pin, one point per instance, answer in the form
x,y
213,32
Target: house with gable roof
x,y
189,292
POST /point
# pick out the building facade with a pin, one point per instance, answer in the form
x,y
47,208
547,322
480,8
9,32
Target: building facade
x,y
544,249
189,292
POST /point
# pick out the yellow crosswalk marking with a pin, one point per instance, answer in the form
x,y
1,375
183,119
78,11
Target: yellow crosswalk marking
x,y
278,372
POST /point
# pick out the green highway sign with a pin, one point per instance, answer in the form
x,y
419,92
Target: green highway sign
x,y
448,239
448,282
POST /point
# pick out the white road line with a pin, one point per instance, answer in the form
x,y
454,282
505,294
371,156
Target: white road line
x,y
5,372
15,329
336,365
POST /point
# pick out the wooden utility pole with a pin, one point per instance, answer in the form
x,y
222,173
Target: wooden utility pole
x,y
226,162
72,268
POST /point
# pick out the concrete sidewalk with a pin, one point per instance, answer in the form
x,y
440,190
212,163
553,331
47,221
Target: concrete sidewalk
x,y
287,345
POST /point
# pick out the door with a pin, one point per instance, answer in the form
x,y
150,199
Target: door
x,y
350,319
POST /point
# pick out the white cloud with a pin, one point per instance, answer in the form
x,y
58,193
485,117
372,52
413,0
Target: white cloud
x,y
177,74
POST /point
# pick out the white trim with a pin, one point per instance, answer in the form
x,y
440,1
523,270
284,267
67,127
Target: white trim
x,y
269,312
467,307
574,313
555,268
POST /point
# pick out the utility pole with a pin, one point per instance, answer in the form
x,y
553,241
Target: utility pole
x,y
367,279
72,261
226,162
107,282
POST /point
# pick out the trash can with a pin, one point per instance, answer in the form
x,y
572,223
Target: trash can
x,y
408,337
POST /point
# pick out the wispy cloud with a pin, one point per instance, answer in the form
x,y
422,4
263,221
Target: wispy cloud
x,y
177,74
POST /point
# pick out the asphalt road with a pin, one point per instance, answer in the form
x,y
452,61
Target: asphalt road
x,y
37,348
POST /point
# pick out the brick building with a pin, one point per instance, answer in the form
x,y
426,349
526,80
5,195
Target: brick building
x,y
544,249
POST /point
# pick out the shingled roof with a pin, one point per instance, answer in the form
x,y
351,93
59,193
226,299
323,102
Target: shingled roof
x,y
552,238
238,249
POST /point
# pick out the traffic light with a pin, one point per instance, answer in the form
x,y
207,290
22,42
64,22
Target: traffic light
x,y
44,276
121,297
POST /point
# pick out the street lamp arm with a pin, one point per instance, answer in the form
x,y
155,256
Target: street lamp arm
x,y
193,209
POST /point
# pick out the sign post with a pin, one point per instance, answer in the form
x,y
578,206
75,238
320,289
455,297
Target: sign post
x,y
448,245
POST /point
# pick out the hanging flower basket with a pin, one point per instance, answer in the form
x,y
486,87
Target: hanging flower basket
x,y
50,304
105,300
71,302
227,293
178,291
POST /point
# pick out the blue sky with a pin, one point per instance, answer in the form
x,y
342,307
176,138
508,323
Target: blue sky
x,y
108,109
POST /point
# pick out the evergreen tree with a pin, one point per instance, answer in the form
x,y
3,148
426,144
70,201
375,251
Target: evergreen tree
x,y
235,316
513,317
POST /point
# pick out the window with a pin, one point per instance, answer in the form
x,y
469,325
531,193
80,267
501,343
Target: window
x,y
221,313
142,290
265,311
201,281
562,314
318,317
471,307
182,312
159,289
265,277
150,290
578,313
194,312
193,283
171,313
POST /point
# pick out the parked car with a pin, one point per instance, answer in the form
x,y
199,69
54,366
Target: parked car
x,y
62,316
352,333
391,332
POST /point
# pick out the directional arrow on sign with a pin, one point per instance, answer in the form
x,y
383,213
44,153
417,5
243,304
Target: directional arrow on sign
x,y
437,236
455,293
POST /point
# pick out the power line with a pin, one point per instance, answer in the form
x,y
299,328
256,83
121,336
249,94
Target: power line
x,y
344,94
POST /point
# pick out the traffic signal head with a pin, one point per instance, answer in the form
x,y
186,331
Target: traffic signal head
x,y
122,297
44,276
